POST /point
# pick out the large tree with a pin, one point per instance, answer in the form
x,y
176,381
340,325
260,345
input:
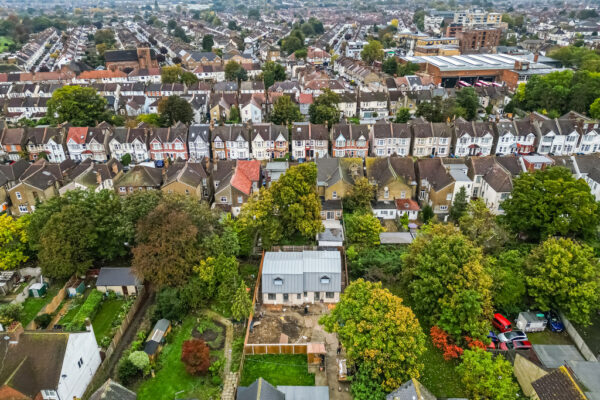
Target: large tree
x,y
486,376
241,306
381,335
459,206
468,100
81,106
272,72
508,274
551,202
285,112
480,226
13,241
360,197
446,279
373,51
175,109
235,72
564,274
363,228
325,109
207,42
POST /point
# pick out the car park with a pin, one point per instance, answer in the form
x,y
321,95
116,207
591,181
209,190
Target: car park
x,y
554,321
501,323
512,335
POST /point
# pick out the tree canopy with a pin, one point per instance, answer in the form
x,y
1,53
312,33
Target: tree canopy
x,y
551,202
379,333
564,274
373,51
486,376
272,72
363,228
235,72
324,109
175,109
13,241
285,112
81,106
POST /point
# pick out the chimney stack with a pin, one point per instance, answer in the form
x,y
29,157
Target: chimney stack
x,y
535,57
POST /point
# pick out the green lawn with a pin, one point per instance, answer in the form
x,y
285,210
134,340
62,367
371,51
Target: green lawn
x,y
277,369
74,306
33,305
4,43
102,322
548,337
439,375
172,380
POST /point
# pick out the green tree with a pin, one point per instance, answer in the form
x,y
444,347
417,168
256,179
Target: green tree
x,y
380,334
67,243
360,196
407,68
242,304
188,78
285,112
13,241
291,44
235,72
170,304
10,312
301,54
81,106
207,42
551,202
174,109
564,274
140,360
373,51
363,228
486,376
105,36
468,100
509,286
234,115
390,66
459,206
171,24
446,279
595,109
419,19
480,226
272,72
126,159
324,109
178,32
402,116
427,213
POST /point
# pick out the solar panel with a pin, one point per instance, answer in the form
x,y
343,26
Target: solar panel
x,y
435,61
501,57
485,60
467,60
451,60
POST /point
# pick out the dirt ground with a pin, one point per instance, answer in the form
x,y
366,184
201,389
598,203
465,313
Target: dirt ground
x,y
269,325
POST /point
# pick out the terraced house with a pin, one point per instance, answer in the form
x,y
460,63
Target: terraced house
x,y
130,141
169,143
473,138
230,142
269,141
389,138
431,139
309,141
349,140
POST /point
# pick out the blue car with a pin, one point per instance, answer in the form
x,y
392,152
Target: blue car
x,y
554,321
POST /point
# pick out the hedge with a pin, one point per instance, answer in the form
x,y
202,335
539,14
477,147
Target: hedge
x,y
87,310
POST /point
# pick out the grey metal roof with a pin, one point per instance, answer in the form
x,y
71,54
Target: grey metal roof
x,y
110,276
302,271
259,390
305,392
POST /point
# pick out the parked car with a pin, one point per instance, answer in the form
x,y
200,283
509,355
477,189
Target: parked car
x,y
501,323
512,335
515,345
554,321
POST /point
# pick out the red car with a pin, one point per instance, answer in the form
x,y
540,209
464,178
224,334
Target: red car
x,y
501,323
515,345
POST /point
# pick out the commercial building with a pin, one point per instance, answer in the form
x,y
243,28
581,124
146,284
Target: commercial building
x,y
479,40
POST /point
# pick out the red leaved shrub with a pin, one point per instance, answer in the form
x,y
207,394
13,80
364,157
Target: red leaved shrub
x,y
440,339
195,354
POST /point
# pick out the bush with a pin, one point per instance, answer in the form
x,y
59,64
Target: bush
x,y
195,354
10,313
170,305
440,340
87,310
43,320
127,371
141,361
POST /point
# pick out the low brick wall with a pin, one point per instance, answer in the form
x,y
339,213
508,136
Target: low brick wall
x,y
577,339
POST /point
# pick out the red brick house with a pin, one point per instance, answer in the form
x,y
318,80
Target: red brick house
x,y
169,143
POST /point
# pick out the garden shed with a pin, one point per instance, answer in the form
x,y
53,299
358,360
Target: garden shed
x,y
38,289
156,339
76,287
122,281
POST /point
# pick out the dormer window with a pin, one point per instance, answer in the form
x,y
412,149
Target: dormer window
x,y
278,282
325,280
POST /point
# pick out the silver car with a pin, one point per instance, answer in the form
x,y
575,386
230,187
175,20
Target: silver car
x,y
512,335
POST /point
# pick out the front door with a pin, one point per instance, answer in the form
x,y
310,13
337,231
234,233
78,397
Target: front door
x,y
124,290
317,296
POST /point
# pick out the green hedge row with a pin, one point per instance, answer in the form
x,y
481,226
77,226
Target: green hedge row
x,y
87,310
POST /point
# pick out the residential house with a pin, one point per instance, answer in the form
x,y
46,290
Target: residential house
x,y
393,176
349,140
34,142
590,138
309,141
260,389
13,142
435,185
571,131
348,104
526,136
169,143
199,141
458,170
373,105
389,138
54,144
88,175
9,177
38,183
234,182
491,182
301,277
194,59
407,206
551,140
269,141
274,170
306,99
588,168
220,106
139,178
111,390
48,364
96,142
472,138
507,138
230,142
251,109
252,87
130,141
188,178
431,139
411,390
76,143
336,176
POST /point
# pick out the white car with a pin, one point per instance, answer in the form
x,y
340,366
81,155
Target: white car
x,y
512,335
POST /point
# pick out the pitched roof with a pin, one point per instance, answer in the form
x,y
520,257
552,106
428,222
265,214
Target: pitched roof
x,y
259,390
139,176
112,390
558,385
77,134
411,390
110,276
188,173
246,173
434,172
383,170
308,131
